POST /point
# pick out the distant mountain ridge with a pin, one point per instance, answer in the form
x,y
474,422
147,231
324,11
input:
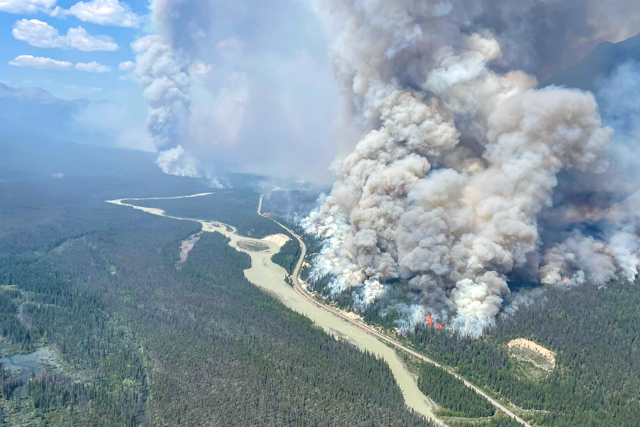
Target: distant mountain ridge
x,y
34,94
598,65
36,107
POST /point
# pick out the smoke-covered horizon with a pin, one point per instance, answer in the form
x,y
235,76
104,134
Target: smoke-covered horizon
x,y
464,176
238,88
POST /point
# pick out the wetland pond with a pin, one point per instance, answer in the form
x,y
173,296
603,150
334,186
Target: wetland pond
x,y
26,365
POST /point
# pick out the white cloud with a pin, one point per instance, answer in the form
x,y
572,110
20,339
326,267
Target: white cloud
x,y
41,34
39,62
126,66
26,6
102,12
52,64
93,67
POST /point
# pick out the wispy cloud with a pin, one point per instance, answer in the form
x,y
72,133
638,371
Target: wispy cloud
x,y
26,6
53,64
126,66
40,62
78,91
41,34
93,67
102,12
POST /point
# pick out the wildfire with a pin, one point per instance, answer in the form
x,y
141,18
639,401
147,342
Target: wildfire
x,y
429,319
565,280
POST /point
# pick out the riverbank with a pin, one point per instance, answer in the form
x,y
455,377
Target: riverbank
x,y
271,277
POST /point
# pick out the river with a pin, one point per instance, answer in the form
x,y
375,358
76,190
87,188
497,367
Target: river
x,y
269,276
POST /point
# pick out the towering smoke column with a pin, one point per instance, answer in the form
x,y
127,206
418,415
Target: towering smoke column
x,y
237,87
460,153
164,75
167,65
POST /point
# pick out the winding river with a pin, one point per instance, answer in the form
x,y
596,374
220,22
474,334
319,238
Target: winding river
x,y
265,274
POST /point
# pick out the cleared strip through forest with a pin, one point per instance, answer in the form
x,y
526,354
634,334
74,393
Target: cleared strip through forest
x,y
370,330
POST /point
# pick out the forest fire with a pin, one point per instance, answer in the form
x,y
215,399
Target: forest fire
x,y
429,319
565,280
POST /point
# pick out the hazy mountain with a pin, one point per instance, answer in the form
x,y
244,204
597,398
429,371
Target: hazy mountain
x,y
35,94
598,65
29,106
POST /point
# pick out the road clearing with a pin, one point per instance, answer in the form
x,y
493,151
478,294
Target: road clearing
x,y
271,278
370,330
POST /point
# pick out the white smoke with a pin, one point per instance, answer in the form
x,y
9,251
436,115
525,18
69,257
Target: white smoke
x,y
579,257
258,98
164,75
176,161
624,246
379,174
440,90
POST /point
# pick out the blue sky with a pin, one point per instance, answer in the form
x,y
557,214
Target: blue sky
x,y
72,83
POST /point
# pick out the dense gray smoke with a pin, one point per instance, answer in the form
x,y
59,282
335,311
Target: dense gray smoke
x,y
462,153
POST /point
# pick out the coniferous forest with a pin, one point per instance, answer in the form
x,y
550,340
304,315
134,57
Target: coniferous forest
x,y
139,342
135,341
288,256
592,329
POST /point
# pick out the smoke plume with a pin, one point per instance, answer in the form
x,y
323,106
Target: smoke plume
x,y
238,87
164,74
461,153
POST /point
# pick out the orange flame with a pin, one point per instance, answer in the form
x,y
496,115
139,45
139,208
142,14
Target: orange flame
x,y
439,326
429,319
565,280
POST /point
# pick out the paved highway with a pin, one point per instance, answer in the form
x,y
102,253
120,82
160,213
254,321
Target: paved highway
x,y
370,330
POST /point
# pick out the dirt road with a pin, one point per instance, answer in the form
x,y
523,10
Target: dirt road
x,y
370,330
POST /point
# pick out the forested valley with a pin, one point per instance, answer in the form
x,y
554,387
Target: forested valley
x,y
139,342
